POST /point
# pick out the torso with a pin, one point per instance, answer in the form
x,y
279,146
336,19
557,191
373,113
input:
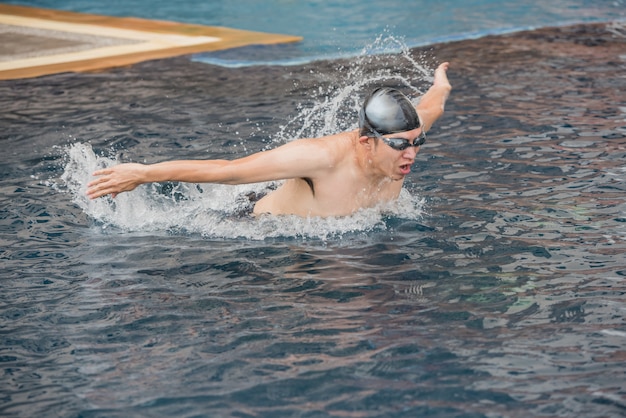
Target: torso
x,y
341,190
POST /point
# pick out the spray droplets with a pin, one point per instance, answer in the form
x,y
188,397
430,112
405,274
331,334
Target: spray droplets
x,y
224,211
387,61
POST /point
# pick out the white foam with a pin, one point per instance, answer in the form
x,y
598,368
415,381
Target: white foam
x,y
212,210
614,333
215,210
337,108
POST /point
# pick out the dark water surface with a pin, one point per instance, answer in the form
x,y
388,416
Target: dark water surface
x,y
505,298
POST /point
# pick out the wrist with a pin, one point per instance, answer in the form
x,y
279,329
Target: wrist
x,y
147,173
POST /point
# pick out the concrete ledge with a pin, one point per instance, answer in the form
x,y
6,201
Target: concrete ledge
x,y
36,42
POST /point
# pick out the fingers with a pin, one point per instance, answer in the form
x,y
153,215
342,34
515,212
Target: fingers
x,y
441,76
95,182
102,172
110,182
98,188
99,173
94,193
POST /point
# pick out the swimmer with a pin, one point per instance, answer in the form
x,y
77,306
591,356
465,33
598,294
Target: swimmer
x,y
334,175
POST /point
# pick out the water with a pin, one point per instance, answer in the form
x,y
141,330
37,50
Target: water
x,y
339,29
215,210
495,288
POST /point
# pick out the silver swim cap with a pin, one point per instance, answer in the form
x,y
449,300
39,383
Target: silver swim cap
x,y
387,111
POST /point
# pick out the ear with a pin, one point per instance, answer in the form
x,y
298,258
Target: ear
x,y
365,140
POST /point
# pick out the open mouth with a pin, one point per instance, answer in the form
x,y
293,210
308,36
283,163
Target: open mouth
x,y
405,169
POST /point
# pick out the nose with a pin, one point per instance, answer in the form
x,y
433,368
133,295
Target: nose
x,y
411,152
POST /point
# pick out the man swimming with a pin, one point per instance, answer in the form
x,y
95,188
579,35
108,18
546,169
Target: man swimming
x,y
334,175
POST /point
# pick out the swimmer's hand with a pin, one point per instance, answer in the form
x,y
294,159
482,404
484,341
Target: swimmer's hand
x,y
441,76
115,180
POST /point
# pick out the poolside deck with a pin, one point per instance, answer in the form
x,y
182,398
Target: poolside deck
x,y
36,42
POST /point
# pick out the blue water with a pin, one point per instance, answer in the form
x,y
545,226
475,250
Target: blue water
x,y
494,288
344,28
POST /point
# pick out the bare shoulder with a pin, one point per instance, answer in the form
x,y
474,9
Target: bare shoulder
x,y
327,150
337,146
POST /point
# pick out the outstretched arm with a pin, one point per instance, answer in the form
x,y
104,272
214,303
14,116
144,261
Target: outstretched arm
x,y
302,158
431,105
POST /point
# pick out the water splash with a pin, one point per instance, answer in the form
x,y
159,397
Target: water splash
x,y
387,61
618,29
223,210
212,210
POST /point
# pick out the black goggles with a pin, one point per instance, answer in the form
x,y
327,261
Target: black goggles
x,y
400,144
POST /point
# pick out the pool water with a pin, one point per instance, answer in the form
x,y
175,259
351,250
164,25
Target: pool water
x,y
494,288
335,29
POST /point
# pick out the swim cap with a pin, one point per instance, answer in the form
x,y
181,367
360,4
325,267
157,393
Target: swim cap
x,y
387,111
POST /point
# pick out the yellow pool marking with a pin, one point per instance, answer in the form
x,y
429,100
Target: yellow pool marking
x,y
147,39
101,30
150,41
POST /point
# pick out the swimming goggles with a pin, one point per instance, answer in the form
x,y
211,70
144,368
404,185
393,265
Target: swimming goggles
x,y
400,144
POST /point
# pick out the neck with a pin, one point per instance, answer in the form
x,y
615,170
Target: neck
x,y
364,161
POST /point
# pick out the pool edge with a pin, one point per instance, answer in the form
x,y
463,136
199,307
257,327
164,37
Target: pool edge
x,y
228,38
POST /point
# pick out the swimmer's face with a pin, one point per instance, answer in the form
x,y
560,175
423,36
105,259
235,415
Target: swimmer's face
x,y
395,153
